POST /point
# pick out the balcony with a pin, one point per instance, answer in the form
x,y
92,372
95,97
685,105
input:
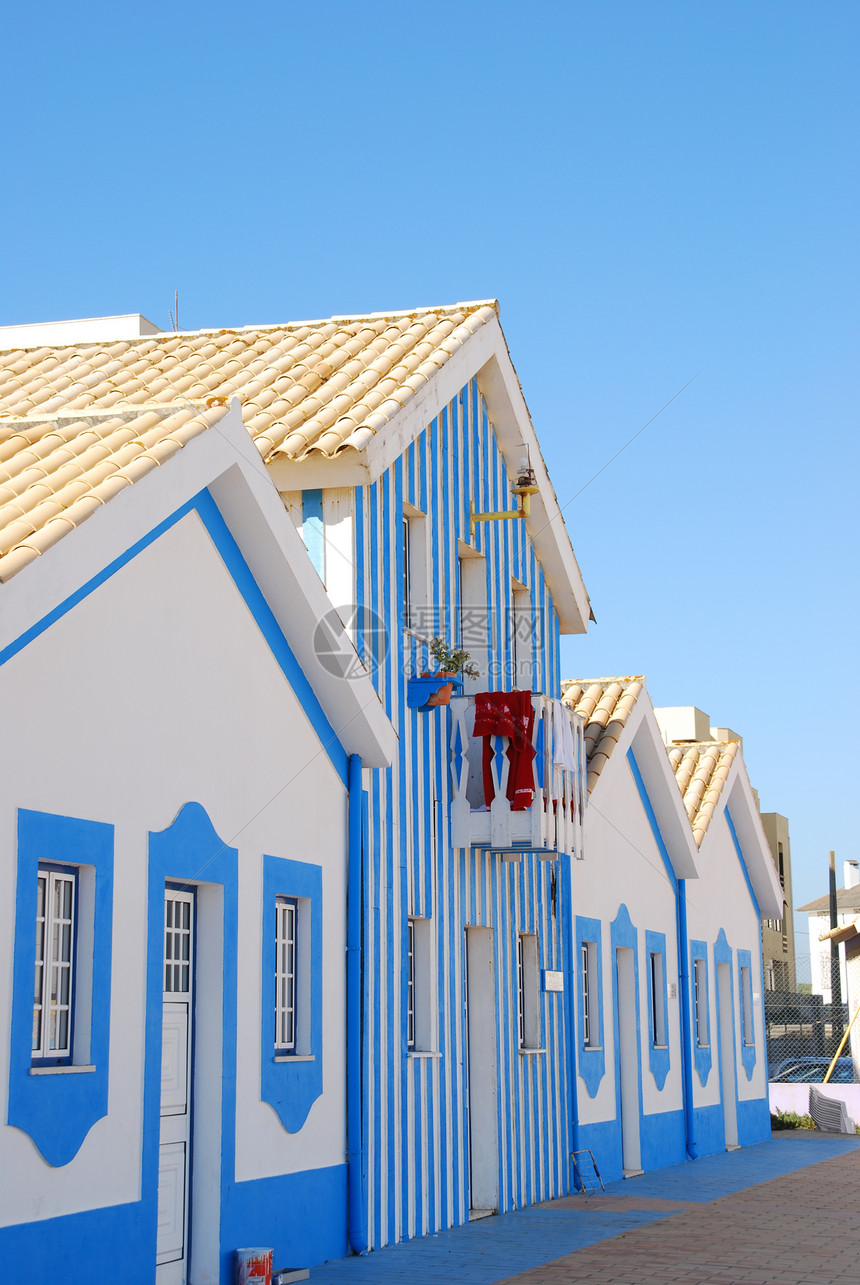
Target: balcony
x,y
553,823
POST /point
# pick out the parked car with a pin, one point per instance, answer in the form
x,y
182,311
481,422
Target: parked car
x,y
811,1070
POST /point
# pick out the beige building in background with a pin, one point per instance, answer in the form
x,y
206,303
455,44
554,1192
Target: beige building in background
x,y
685,725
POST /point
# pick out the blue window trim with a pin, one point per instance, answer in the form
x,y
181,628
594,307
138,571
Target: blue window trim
x,y
292,1083
58,1110
658,1054
702,1053
748,1051
209,514
592,1059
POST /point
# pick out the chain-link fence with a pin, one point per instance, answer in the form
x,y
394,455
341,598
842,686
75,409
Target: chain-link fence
x,y
803,1033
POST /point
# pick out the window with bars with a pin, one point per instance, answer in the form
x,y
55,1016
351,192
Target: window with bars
x,y
286,924
53,991
746,1006
177,944
410,985
528,990
700,997
658,1008
588,981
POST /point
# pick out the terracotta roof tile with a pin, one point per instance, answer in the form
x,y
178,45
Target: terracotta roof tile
x,y
701,769
55,473
605,704
308,387
80,423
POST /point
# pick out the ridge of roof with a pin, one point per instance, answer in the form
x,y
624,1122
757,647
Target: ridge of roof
x,y
701,769
605,705
846,899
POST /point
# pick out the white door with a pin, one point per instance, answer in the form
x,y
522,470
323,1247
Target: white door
x,y
727,1055
175,1137
483,1076
628,1061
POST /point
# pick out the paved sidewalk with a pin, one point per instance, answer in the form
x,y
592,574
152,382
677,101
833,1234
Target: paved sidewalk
x,y
752,1217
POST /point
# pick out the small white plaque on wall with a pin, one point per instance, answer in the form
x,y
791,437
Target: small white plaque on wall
x,y
553,981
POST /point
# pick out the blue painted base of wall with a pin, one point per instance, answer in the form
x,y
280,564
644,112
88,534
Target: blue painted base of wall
x,y
709,1136
301,1215
753,1121
662,1142
99,1245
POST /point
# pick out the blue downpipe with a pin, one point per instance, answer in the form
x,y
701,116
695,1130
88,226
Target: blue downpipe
x,y
566,902
356,1172
686,1027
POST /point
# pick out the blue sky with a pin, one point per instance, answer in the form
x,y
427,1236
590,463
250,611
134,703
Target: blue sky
x,y
653,192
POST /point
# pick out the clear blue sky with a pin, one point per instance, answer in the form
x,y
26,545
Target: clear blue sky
x,y
654,191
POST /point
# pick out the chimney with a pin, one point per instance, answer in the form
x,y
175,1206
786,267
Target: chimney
x,y
851,873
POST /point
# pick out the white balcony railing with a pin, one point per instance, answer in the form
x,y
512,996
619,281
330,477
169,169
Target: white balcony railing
x,y
553,824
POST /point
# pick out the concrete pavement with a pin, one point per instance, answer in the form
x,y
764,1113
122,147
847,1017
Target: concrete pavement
x,y
784,1212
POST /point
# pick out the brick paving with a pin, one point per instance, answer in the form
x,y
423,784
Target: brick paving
x,y
784,1212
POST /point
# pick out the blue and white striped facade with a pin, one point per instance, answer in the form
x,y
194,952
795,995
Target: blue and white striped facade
x,y
415,1104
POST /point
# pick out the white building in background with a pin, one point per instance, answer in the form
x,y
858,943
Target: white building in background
x,y
847,910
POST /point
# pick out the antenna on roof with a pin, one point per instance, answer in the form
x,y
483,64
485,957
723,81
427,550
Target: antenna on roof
x,y
174,313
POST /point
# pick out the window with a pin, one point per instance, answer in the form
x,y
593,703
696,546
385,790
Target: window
x,y
420,1007
700,986
746,1006
528,991
53,992
410,986
474,619
588,976
521,637
658,1008
407,592
418,614
286,919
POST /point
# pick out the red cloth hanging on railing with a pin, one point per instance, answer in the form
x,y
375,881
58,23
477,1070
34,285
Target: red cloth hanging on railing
x,y
508,714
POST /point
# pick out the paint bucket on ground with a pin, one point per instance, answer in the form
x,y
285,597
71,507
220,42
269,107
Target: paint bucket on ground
x,y
254,1266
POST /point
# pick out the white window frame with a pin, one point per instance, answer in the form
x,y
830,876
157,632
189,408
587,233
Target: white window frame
x,y
286,974
528,992
54,972
590,997
700,1001
658,1007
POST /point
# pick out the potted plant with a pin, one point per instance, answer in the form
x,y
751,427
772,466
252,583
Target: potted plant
x,y
452,662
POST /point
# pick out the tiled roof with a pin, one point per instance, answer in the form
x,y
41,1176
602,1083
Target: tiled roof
x,y
55,472
605,704
701,769
307,387
79,423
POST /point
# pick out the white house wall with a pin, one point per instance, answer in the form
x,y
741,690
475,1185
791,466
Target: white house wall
x,y
624,866
722,914
155,690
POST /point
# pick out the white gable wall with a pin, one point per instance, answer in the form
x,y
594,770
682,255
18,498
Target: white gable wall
x,y
155,690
